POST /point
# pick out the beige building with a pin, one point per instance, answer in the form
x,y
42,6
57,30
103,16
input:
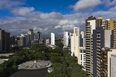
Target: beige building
x,y
105,62
112,26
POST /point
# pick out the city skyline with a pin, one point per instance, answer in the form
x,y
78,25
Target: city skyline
x,y
57,16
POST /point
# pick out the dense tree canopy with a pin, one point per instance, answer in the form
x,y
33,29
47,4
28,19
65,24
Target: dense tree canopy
x,y
59,43
64,65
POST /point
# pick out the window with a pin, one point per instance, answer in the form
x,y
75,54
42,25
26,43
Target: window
x,y
81,56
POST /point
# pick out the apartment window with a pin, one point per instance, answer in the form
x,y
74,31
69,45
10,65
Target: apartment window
x,y
81,51
81,56
84,51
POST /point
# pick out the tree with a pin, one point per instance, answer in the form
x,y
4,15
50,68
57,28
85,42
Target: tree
x,y
37,55
55,59
59,43
34,48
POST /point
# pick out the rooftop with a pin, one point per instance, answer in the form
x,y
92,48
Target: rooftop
x,y
30,73
31,65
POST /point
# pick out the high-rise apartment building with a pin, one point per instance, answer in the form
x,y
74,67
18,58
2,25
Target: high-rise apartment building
x,y
7,41
39,37
28,42
18,41
112,26
12,39
105,24
52,39
82,57
4,41
82,39
75,43
66,39
90,26
30,32
47,41
101,38
21,41
97,36
76,50
105,65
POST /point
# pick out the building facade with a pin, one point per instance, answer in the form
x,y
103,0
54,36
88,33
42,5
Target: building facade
x,y
47,41
12,39
66,39
106,62
90,26
75,42
101,38
82,57
113,66
39,37
52,39
112,26
30,32
82,39
4,41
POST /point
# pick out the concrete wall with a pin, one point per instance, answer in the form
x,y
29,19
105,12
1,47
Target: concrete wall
x,y
111,52
113,65
93,25
107,34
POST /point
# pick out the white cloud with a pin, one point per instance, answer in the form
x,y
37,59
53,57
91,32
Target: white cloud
x,y
85,5
67,27
56,27
109,2
54,21
23,11
18,25
105,14
63,22
9,4
113,9
51,15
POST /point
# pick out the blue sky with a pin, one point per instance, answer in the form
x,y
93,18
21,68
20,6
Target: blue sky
x,y
46,16
45,6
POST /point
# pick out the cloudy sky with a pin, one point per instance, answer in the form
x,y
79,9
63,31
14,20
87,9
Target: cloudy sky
x,y
46,16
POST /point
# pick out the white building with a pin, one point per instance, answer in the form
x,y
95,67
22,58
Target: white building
x,y
52,39
76,50
66,39
75,42
47,41
82,57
